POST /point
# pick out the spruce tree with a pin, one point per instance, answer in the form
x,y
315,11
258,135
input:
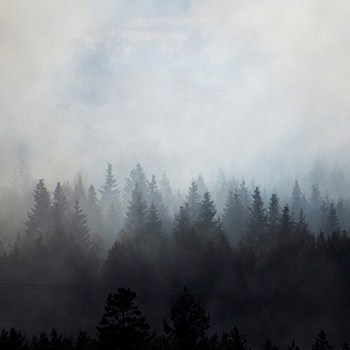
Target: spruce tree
x,y
189,322
156,198
234,340
206,222
321,342
79,191
154,233
94,212
79,229
257,222
122,327
194,201
136,215
59,208
138,176
332,223
110,192
314,209
287,224
273,216
296,200
233,217
40,216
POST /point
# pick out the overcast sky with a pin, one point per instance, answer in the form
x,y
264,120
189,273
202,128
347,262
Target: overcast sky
x,y
258,88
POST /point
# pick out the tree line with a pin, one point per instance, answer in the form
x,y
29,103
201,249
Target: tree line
x,y
122,327
259,266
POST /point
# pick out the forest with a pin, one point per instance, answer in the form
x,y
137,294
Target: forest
x,y
274,267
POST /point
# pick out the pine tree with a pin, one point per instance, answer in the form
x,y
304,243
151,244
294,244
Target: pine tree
x,y
112,225
233,217
39,217
79,191
156,198
60,208
234,340
122,327
332,224
189,321
246,199
342,213
287,224
94,212
194,201
182,227
257,222
79,229
268,345
202,188
302,226
296,199
206,222
155,235
273,216
110,192
137,213
321,342
138,176
314,209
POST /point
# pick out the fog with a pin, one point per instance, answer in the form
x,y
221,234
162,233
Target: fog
x,y
257,88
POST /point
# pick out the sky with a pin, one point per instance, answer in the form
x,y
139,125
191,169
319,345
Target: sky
x,y
257,88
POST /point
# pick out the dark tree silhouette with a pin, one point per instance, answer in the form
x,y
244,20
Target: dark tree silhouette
x,y
296,199
273,216
154,233
79,229
59,208
234,341
194,201
78,193
189,322
332,223
39,217
94,212
233,218
122,326
136,215
257,222
206,222
321,342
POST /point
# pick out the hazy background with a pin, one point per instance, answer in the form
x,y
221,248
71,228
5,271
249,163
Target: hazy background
x,y
258,88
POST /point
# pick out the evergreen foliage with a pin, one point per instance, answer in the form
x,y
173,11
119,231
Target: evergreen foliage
x,y
122,326
233,217
39,217
273,216
79,228
321,342
136,215
194,201
257,221
189,322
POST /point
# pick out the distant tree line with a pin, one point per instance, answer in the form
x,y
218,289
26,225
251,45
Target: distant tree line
x,y
272,269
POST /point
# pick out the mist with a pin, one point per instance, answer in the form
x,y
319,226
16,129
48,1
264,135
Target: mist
x,y
255,88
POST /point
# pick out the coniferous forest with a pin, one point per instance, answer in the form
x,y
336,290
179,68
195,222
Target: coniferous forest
x,y
139,265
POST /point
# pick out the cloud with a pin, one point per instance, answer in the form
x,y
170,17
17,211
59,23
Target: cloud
x,y
249,86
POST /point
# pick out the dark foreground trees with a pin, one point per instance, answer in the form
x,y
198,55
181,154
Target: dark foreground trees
x,y
189,323
122,326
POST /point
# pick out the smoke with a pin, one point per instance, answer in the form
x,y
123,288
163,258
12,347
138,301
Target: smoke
x,y
186,87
